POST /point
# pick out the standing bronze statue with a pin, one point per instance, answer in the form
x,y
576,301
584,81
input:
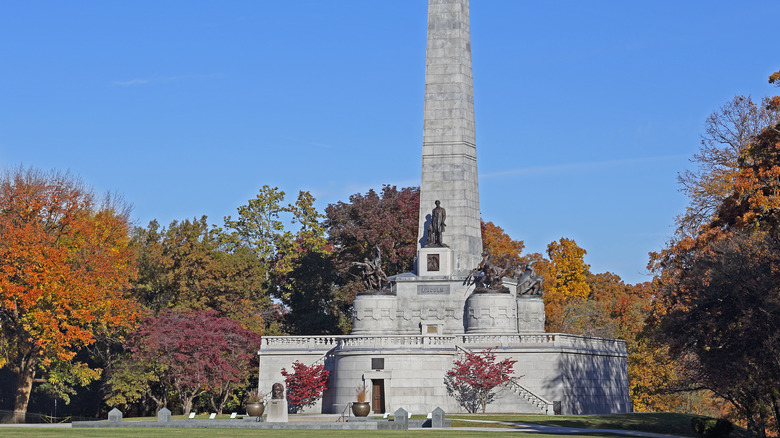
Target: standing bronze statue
x,y
437,225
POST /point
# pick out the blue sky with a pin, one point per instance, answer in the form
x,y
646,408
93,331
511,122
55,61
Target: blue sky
x,y
585,111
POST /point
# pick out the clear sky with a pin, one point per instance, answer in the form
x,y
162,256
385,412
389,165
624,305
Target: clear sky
x,y
585,111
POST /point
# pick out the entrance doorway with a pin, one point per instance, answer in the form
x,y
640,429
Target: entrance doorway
x,y
378,396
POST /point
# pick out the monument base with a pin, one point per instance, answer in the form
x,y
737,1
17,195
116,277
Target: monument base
x,y
585,375
435,261
277,411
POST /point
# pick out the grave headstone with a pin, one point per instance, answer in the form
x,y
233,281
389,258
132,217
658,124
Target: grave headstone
x,y
163,415
115,415
437,419
402,417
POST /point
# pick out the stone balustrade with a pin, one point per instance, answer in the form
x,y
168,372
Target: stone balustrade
x,y
478,341
300,342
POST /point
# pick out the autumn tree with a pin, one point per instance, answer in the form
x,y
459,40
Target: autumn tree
x,y
305,384
718,289
189,354
186,266
473,379
721,317
387,220
727,132
503,249
565,282
64,272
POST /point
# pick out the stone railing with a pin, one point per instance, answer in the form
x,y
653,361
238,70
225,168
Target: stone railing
x,y
300,342
481,341
545,407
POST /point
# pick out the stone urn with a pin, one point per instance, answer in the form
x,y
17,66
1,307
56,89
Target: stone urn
x,y
255,409
361,409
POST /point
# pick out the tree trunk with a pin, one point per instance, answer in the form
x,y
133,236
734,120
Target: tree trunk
x,y
24,381
186,404
775,408
218,401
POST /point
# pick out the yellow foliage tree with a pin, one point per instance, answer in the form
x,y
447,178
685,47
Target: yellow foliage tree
x,y
566,281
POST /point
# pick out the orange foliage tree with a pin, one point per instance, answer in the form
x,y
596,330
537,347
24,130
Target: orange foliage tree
x,y
727,132
718,309
503,249
64,272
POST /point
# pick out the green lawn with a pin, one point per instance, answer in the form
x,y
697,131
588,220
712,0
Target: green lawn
x,y
673,424
212,433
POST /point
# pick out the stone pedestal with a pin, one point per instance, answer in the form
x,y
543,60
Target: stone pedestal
x,y
277,411
491,313
530,314
374,315
435,262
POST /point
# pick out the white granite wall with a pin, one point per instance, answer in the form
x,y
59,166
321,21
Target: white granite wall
x,y
587,375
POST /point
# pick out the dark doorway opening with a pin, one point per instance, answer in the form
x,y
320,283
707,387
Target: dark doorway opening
x,y
378,396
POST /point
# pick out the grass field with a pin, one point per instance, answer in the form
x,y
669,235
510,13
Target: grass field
x,y
672,424
240,433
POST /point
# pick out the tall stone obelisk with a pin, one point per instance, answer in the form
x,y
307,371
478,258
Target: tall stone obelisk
x,y
449,155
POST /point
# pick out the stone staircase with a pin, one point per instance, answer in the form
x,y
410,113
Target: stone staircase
x,y
544,406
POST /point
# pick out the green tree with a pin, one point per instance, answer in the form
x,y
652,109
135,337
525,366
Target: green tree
x,y
297,260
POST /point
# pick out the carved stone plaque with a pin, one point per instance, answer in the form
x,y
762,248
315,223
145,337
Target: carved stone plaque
x,y
435,289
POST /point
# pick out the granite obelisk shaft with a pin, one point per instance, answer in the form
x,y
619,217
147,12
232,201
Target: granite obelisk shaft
x,y
449,156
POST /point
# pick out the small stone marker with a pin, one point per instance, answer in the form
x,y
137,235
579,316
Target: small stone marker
x,y
115,415
192,415
402,417
213,416
437,419
163,415
233,415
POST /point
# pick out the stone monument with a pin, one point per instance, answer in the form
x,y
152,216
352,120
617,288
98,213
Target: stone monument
x,y
277,406
449,151
408,329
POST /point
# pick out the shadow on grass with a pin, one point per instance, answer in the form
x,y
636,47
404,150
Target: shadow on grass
x,y
665,423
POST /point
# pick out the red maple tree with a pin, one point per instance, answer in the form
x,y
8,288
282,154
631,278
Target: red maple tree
x,y
472,380
305,384
194,352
